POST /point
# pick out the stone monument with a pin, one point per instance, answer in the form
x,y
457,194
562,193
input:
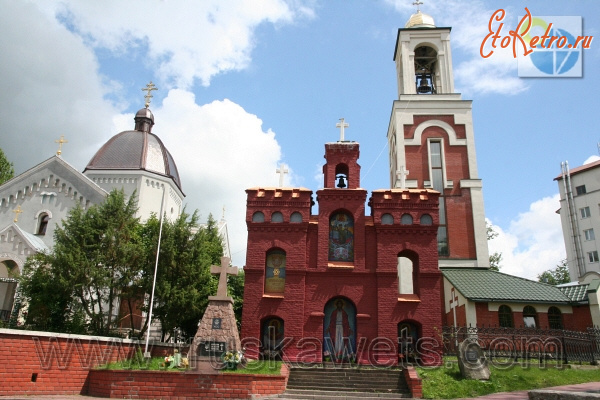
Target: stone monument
x,y
471,361
217,332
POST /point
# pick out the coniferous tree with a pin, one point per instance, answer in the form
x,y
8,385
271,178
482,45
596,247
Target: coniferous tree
x,y
183,281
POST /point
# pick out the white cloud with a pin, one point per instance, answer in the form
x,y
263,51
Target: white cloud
x,y
49,86
533,242
591,159
220,151
185,40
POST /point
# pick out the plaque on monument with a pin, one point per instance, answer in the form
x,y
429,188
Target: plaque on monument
x,y
212,348
472,361
216,323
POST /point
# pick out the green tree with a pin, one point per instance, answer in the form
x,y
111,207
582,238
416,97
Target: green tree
x,y
7,170
496,257
556,276
183,281
51,305
97,255
235,284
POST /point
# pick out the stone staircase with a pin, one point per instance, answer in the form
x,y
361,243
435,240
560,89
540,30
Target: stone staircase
x,y
335,383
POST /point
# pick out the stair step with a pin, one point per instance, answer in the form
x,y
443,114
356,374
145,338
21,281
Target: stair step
x,y
358,383
295,394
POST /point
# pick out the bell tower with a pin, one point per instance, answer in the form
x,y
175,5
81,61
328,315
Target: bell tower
x,y
431,141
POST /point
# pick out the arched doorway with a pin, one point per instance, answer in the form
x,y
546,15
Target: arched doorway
x,y
339,330
9,271
272,333
408,336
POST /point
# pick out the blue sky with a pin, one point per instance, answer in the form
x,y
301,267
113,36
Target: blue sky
x,y
247,85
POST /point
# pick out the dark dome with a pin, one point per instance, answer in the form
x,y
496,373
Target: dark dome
x,y
136,150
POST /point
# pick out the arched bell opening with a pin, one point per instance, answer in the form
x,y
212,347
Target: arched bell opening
x,y
426,59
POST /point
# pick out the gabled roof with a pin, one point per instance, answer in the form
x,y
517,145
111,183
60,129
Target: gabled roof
x,y
33,244
582,168
82,184
479,284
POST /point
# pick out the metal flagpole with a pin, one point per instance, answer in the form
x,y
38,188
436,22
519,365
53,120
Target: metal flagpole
x,y
146,353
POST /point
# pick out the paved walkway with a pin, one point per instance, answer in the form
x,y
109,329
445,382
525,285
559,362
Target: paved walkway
x,y
592,387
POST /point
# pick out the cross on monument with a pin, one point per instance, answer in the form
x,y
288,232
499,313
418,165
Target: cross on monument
x,y
60,143
342,124
418,3
223,270
401,174
282,170
149,88
17,211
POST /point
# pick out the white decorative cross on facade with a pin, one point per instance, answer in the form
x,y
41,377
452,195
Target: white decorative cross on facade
x,y
401,174
342,124
282,170
223,270
453,305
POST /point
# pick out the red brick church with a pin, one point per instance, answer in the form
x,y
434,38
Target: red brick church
x,y
326,286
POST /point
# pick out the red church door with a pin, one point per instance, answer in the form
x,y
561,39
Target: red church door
x,y
339,330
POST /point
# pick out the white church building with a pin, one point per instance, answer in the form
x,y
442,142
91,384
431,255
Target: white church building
x,y
35,202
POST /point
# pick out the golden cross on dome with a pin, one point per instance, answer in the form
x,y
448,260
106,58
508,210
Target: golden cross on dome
x,y
60,143
17,211
149,88
418,3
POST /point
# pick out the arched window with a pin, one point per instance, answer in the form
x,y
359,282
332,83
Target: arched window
x,y
505,317
341,176
258,217
296,217
387,219
555,318
277,217
426,219
406,219
341,237
275,272
43,223
530,317
405,276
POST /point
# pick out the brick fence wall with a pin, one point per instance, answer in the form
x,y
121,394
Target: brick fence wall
x,y
168,385
43,363
36,363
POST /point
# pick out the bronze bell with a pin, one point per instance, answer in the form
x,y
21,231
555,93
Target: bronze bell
x,y
424,85
341,183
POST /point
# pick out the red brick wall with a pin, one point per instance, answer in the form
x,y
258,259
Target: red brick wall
x,y
459,212
36,363
172,385
41,363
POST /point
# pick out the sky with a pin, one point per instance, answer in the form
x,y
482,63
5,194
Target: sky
x,y
245,86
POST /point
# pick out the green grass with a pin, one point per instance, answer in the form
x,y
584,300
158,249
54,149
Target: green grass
x,y
266,367
447,382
